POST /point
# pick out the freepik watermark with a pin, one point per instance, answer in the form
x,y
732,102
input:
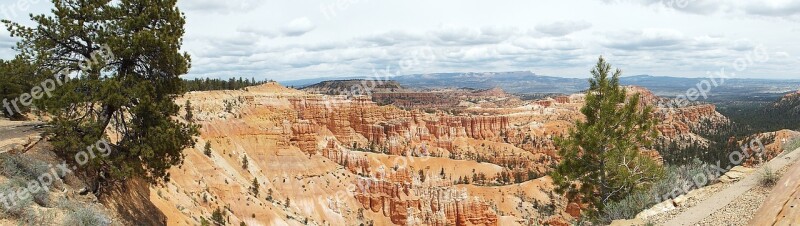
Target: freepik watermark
x,y
46,87
712,172
13,9
674,4
43,182
677,4
364,183
703,88
418,57
332,9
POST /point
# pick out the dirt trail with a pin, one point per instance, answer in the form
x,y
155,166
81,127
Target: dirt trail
x,y
12,132
719,200
778,208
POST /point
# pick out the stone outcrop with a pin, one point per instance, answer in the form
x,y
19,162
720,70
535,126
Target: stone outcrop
x,y
363,122
765,146
679,121
413,205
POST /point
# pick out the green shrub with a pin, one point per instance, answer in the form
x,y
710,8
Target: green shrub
x,y
674,177
768,178
628,207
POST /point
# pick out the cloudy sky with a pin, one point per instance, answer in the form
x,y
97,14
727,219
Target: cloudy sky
x,y
289,39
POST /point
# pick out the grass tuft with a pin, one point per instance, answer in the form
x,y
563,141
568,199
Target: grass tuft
x,y
768,178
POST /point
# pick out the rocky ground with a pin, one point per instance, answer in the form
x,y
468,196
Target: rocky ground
x,y
738,212
743,209
688,201
23,159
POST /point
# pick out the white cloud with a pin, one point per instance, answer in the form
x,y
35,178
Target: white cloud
x,y
298,27
295,40
258,32
454,36
221,7
7,43
647,39
562,28
785,9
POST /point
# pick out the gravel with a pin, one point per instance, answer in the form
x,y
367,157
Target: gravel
x,y
743,209
738,212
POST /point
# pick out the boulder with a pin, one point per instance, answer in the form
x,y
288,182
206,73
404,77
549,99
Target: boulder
x,y
662,207
735,174
680,200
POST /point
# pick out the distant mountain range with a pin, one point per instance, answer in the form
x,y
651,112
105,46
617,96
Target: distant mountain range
x,y
525,82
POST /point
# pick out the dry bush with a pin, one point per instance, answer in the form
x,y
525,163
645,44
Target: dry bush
x,y
768,178
82,214
17,206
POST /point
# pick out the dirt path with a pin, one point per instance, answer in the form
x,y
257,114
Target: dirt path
x,y
719,200
12,132
778,208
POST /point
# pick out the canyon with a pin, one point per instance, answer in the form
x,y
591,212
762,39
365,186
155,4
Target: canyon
x,y
345,160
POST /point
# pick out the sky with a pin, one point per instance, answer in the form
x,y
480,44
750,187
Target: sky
x,y
289,39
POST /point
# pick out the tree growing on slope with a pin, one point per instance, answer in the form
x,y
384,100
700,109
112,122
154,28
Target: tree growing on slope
x,y
127,91
255,187
601,160
189,112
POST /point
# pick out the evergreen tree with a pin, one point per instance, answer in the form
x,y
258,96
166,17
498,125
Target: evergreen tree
x,y
207,149
128,88
218,217
245,162
15,80
219,84
189,115
601,154
255,187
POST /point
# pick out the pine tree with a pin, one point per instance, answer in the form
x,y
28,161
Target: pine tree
x,y
602,152
15,77
245,162
207,149
255,187
218,217
189,115
129,84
